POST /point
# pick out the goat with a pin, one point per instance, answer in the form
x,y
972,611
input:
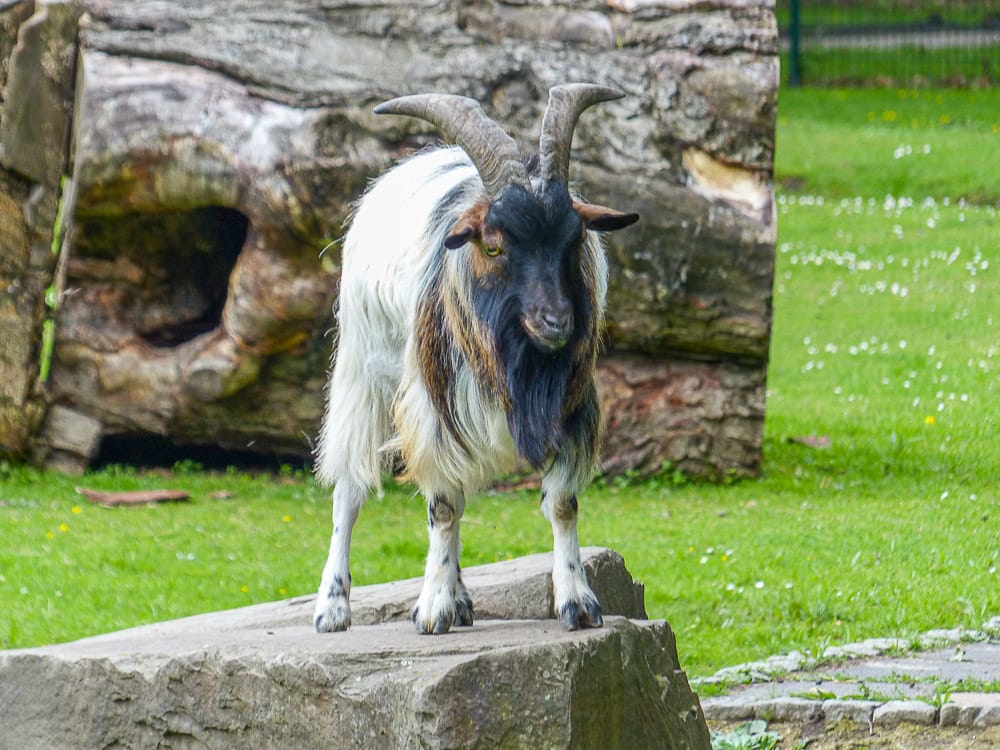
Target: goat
x,y
471,303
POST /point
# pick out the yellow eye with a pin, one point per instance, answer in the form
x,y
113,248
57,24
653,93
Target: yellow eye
x,y
492,251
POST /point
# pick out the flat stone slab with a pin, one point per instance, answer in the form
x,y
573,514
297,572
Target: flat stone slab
x,y
261,677
518,589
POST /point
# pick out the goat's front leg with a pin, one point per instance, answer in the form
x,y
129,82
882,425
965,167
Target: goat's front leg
x,y
444,598
333,605
575,603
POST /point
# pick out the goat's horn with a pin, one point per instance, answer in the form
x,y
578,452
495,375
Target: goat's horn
x,y
566,103
461,119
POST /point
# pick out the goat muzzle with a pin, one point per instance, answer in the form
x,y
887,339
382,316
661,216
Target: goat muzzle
x,y
549,327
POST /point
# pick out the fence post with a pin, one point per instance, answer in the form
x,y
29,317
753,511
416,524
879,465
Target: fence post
x,y
794,63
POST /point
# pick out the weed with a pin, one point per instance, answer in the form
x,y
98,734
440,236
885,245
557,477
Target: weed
x,y
752,735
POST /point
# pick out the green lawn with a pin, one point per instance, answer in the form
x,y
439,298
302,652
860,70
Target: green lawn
x,y
882,13
885,342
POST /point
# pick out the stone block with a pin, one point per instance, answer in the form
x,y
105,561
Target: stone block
x,y
261,677
799,710
971,710
729,708
904,712
859,712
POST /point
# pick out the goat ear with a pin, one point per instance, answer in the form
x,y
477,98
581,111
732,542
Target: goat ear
x,y
468,227
459,236
603,219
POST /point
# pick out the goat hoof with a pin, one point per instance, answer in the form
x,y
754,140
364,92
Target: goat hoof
x,y
582,613
435,614
463,608
436,626
332,614
335,622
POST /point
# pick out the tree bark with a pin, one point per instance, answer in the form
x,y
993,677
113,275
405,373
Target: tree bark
x,y
218,146
37,62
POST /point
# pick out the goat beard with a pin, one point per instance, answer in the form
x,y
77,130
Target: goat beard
x,y
538,384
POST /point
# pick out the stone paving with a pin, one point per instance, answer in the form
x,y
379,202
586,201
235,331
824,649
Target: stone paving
x,y
944,678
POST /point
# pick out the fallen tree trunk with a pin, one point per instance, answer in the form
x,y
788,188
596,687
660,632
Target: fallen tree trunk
x,y
217,148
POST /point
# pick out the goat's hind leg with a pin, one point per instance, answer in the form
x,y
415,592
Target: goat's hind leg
x,y
333,605
444,600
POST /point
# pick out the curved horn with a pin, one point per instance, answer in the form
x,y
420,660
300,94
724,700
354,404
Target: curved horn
x,y
566,103
493,152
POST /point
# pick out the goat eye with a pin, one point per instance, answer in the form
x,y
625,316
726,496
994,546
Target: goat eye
x,y
492,251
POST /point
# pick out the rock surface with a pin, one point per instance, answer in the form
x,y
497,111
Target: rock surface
x,y
261,677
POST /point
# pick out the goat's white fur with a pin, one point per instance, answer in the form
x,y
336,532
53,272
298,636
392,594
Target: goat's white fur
x,y
378,404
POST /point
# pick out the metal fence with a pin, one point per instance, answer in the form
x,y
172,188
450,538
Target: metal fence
x,y
890,42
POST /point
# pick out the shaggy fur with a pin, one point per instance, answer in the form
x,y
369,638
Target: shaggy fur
x,y
468,332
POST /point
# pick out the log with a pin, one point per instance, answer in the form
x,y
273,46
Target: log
x,y
133,497
217,148
37,57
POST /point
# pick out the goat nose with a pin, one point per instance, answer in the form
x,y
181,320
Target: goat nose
x,y
557,319
550,325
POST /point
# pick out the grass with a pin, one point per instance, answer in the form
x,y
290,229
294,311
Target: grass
x,y
890,13
885,341
869,143
904,65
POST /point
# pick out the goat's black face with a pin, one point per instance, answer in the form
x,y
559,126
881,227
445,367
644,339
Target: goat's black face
x,y
541,238
526,261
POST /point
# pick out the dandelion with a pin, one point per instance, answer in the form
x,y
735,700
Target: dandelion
x,y
286,518
282,592
49,535
77,510
63,528
244,589
929,419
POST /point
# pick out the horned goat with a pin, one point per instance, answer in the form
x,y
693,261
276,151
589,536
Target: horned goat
x,y
471,302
